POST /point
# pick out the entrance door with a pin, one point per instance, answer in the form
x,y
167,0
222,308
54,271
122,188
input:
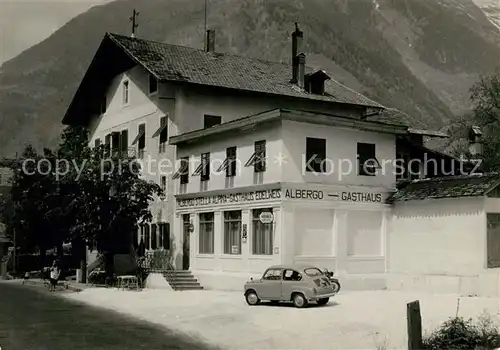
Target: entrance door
x,y
186,223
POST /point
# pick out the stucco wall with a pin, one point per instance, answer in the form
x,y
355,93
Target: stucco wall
x,y
440,245
341,149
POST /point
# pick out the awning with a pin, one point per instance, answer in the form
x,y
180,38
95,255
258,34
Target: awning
x,y
198,170
159,131
141,134
255,158
182,170
224,165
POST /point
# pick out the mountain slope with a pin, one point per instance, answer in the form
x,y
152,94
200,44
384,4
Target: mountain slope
x,y
420,56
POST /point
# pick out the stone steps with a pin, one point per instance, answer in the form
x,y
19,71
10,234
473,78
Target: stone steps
x,y
182,280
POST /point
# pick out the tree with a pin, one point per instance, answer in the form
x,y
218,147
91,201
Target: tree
x,y
106,196
485,96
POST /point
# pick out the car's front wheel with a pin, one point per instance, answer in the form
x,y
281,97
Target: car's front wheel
x,y
323,301
299,300
252,298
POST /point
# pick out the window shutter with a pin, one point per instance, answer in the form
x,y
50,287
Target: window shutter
x,y
166,235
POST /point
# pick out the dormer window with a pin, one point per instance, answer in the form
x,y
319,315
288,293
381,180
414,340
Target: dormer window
x,y
153,84
314,83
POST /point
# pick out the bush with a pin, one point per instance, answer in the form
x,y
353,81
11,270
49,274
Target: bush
x,y
457,333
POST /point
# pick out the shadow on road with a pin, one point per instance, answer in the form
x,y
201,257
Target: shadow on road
x,y
32,318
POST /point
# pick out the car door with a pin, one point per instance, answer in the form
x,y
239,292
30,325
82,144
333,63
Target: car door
x,y
291,279
271,284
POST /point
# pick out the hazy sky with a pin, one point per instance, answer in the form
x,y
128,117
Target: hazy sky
x,y
26,23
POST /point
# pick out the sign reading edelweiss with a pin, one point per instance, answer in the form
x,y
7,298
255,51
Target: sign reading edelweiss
x,y
254,196
230,198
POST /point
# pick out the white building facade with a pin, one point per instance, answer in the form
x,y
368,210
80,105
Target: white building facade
x,y
334,217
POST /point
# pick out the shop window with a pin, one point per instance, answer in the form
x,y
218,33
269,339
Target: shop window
x,y
272,275
232,232
367,160
493,240
206,234
258,158
315,154
262,238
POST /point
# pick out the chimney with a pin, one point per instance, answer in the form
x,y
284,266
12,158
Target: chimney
x,y
302,70
475,141
210,43
297,37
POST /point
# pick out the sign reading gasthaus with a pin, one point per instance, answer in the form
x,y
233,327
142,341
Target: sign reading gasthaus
x,y
277,194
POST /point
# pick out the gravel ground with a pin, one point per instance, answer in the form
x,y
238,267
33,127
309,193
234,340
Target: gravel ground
x,y
352,320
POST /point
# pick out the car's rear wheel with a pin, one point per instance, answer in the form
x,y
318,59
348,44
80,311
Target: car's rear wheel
x,y
323,301
299,300
252,298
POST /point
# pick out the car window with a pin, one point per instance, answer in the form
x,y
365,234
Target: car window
x,y
291,275
313,272
272,275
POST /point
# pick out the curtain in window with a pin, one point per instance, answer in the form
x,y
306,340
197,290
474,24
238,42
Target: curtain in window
x,y
262,238
232,232
206,233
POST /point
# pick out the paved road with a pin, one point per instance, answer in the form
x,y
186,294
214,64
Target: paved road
x,y
32,318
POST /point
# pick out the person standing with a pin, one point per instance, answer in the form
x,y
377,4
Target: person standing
x,y
54,276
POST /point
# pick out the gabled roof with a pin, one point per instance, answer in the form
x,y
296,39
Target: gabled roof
x,y
473,185
184,64
189,65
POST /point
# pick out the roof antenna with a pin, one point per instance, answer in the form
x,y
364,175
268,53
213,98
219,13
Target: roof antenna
x,y
204,33
134,24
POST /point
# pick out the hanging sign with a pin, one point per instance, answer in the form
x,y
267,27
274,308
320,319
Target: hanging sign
x,y
266,217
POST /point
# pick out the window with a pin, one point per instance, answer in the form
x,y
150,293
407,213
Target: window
x,y
313,272
258,159
232,232
97,143
140,140
163,133
229,164
206,244
315,155
272,275
154,237
153,84
124,143
107,144
204,167
493,240
262,238
115,142
367,161
125,92
211,120
163,185
291,275
183,172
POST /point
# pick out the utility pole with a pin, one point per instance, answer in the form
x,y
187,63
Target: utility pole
x,y
133,19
